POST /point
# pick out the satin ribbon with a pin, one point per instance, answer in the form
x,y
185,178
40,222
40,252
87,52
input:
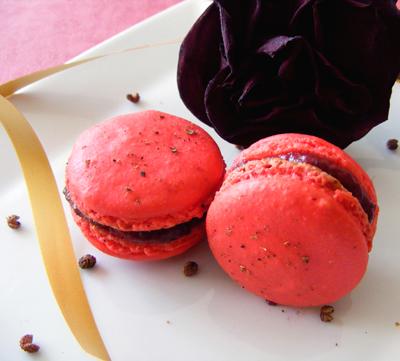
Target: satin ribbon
x,y
50,223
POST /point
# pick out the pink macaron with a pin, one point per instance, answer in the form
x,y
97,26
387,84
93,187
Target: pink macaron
x,y
294,220
140,184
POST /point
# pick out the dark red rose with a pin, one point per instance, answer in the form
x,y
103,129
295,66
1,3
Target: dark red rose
x,y
253,68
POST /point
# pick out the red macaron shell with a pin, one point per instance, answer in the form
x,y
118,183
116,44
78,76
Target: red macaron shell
x,y
144,171
289,233
138,251
308,144
281,144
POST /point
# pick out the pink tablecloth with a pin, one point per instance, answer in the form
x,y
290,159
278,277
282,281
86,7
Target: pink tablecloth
x,y
36,34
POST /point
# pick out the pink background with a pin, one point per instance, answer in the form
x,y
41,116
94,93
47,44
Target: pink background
x,y
36,34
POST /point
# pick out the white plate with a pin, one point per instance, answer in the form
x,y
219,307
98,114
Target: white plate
x,y
150,311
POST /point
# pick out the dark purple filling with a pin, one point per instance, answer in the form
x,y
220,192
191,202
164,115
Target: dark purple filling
x,y
345,177
156,236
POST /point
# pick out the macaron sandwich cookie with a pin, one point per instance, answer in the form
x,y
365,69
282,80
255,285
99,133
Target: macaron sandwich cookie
x,y
140,184
299,216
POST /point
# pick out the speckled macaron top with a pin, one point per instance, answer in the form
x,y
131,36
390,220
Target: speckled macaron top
x,y
315,151
144,171
285,227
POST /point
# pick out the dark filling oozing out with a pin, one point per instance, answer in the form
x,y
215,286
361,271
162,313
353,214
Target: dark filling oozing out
x,y
163,235
345,177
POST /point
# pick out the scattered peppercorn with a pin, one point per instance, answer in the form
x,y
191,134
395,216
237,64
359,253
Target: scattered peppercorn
x,y
228,231
392,144
26,344
190,268
190,131
26,339
143,173
133,97
30,347
326,317
13,222
87,261
327,309
305,259
173,149
271,303
242,268
326,313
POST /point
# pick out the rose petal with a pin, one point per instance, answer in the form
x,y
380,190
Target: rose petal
x,y
253,68
197,64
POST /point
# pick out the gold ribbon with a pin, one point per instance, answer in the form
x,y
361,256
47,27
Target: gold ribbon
x,y
51,226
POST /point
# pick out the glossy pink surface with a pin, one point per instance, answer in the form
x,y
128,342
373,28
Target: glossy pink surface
x,y
37,34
